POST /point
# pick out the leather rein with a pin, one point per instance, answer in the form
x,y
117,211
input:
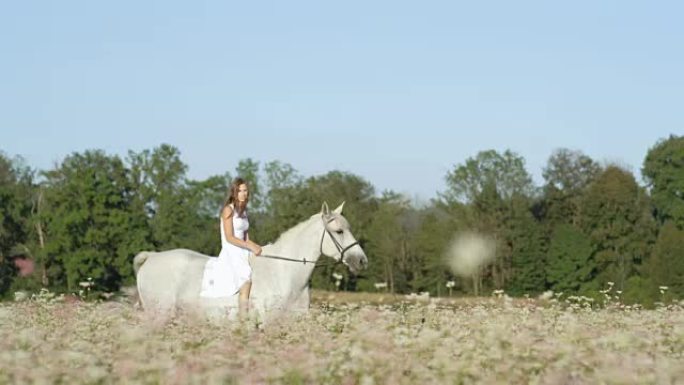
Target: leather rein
x,y
340,249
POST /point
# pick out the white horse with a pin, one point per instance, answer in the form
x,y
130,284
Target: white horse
x,y
170,280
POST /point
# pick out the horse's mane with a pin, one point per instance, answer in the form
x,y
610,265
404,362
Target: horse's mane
x,y
292,231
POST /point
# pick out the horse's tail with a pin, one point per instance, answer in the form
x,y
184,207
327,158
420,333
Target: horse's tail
x,y
139,260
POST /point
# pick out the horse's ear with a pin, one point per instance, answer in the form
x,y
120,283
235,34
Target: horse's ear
x,y
324,209
338,210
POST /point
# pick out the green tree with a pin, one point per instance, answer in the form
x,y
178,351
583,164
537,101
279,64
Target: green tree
x,y
566,175
664,173
666,264
492,186
207,196
569,262
527,242
336,187
489,168
616,215
16,189
284,201
389,245
158,178
248,169
436,227
155,172
203,201
490,214
90,227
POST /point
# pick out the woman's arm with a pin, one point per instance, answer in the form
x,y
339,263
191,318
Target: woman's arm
x,y
227,218
257,248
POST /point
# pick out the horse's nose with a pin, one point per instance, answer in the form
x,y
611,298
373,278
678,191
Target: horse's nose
x,y
364,261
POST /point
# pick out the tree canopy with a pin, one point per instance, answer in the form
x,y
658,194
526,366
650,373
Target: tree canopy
x,y
585,226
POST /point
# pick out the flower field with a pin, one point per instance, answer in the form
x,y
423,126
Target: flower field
x,y
346,339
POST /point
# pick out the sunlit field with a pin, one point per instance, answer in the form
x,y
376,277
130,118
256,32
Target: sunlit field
x,y
347,339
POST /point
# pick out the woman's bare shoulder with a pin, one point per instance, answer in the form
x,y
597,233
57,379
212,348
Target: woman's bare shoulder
x,y
227,211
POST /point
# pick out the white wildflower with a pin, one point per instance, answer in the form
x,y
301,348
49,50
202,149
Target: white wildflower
x,y
20,296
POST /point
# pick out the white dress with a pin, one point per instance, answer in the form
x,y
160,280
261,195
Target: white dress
x,y
223,276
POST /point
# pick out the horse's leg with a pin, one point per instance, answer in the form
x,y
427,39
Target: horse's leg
x,y
301,304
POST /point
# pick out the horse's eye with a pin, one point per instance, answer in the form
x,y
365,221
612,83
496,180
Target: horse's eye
x,y
339,231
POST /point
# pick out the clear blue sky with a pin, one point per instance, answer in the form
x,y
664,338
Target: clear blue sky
x,y
396,92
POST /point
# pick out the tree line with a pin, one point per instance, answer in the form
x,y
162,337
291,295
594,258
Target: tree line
x,y
587,225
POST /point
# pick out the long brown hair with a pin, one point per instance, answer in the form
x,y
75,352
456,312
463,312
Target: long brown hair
x,y
232,198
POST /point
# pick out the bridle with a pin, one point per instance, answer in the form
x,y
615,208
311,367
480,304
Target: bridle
x,y
340,249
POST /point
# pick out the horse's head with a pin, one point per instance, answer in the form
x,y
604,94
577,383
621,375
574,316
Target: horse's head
x,y
338,242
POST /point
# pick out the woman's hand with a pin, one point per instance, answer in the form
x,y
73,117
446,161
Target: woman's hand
x,y
256,249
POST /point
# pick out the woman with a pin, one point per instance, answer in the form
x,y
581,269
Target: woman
x,y
230,272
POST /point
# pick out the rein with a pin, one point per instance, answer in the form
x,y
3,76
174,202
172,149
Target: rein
x,y
340,249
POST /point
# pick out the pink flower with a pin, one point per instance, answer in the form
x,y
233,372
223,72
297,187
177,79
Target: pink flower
x,y
25,266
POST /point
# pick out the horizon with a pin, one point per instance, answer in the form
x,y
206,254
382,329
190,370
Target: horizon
x,y
413,196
